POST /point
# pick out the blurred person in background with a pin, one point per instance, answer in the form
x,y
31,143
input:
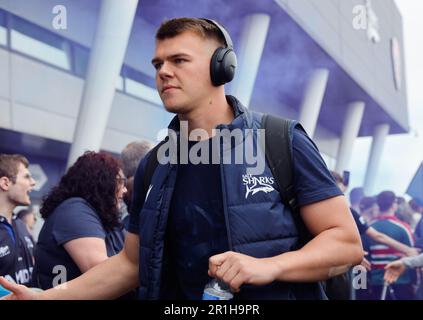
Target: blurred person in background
x,y
405,213
131,156
16,246
369,209
382,254
417,206
356,194
82,226
27,216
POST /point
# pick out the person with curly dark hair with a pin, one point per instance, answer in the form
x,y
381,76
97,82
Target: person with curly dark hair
x,y
82,225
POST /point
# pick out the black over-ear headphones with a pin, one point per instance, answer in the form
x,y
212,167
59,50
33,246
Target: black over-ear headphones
x,y
223,62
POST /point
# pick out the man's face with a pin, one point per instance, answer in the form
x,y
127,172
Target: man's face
x,y
18,192
30,220
182,66
374,210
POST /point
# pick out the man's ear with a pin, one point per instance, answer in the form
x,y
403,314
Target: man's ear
x,y
4,183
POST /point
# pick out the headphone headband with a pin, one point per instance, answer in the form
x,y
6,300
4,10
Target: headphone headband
x,y
223,31
223,62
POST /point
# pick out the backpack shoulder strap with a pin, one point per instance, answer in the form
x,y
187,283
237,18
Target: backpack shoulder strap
x,y
150,167
142,181
279,156
278,151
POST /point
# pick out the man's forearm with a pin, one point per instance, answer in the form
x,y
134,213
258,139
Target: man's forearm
x,y
108,280
413,262
383,238
328,254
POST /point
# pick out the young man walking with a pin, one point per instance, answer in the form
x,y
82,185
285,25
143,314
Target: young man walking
x,y
198,221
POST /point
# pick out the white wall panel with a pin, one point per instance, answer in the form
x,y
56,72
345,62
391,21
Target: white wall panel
x,y
42,123
45,87
4,73
115,141
137,117
5,120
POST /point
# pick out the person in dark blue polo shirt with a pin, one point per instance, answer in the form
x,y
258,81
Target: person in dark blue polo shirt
x,y
16,245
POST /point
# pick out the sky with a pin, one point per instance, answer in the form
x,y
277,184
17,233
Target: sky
x,y
403,153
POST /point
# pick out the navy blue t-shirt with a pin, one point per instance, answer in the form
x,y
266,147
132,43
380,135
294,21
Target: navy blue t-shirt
x,y
196,226
16,251
74,218
312,180
360,222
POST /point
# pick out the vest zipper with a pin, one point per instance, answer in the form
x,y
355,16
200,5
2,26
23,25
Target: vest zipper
x,y
225,212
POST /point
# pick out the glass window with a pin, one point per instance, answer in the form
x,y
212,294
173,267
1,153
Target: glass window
x,y
2,18
3,30
142,91
138,76
3,36
81,57
38,43
119,83
39,50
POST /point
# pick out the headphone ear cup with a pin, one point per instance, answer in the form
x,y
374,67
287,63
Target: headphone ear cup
x,y
215,66
229,64
222,66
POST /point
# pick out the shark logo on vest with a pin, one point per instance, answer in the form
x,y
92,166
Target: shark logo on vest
x,y
4,251
255,184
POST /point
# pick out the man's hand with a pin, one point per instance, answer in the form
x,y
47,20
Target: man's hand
x,y
366,264
19,292
236,269
393,271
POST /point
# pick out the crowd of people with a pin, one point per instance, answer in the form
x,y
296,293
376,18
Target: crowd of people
x,y
390,231
84,216
85,223
187,224
401,221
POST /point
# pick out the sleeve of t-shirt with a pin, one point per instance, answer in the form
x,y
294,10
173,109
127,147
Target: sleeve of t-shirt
x,y
413,262
312,180
360,222
138,196
76,219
